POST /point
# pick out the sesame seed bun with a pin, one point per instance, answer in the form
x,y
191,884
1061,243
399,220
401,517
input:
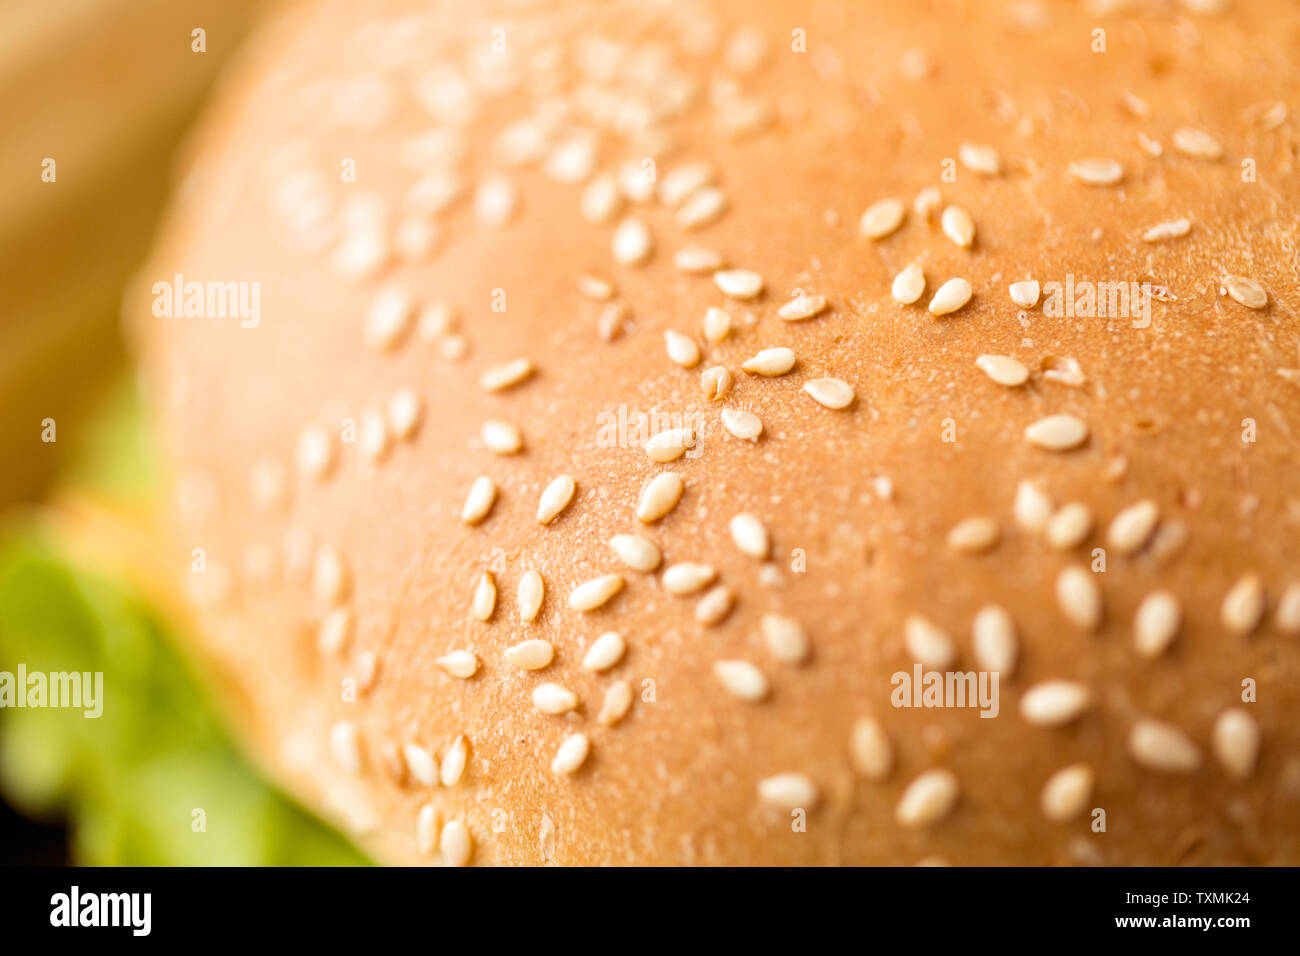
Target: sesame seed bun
x,y
600,454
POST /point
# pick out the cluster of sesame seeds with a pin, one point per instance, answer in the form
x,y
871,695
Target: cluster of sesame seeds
x,y
695,200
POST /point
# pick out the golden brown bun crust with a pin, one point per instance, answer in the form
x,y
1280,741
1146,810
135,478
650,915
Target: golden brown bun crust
x,y
883,95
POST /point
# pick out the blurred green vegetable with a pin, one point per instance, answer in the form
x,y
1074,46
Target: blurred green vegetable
x,y
130,781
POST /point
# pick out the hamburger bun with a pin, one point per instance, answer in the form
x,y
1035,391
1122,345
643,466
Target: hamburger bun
x,y
637,390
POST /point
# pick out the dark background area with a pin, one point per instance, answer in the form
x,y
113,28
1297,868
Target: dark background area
x,y
24,843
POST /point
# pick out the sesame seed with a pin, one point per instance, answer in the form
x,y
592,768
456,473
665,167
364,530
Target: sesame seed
x,y
362,252
1063,370
928,644
434,192
1246,291
456,845
882,218
750,535
958,226
1079,597
697,260
419,762
482,496
1097,172
595,593
775,361
1057,432
365,667
507,375
426,829
405,410
532,655
1288,610
1136,105
1173,229
909,284
529,594
571,161
1150,146
1158,745
1024,293
595,288
315,452
715,605
716,382
974,535
927,202
786,639
1053,703
802,307
950,297
453,761
742,424
870,750
1236,742
717,325
741,679
502,437
389,317
738,283
682,349
1197,143
554,699
270,488
660,496
601,200
485,597
1068,526
980,159
617,702
571,754
459,663
670,444
704,207
345,746
611,321
454,348
1003,369
994,638
1243,605
495,200
1067,792
638,553
928,799
688,577
605,651
788,791
676,187
556,498
335,630
830,392
1131,528
1032,506
331,577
